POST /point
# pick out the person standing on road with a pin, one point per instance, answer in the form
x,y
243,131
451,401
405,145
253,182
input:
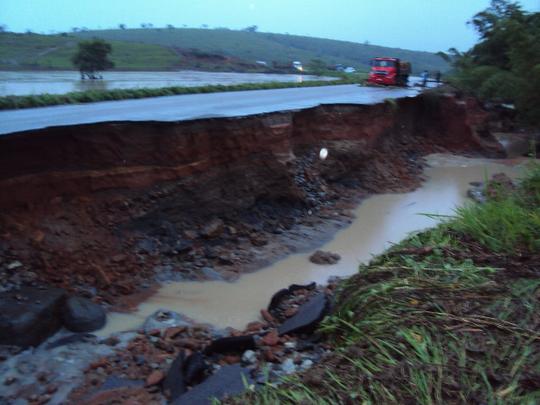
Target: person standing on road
x,y
438,77
424,77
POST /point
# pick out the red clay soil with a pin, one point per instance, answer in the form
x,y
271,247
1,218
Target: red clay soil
x,y
103,209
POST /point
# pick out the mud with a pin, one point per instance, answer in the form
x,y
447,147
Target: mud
x,y
107,210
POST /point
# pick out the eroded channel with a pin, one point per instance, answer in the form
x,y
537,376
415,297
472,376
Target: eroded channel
x,y
379,221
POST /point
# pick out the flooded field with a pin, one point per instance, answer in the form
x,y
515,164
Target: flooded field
x,y
381,220
60,82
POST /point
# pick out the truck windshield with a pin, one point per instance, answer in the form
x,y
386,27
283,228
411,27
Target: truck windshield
x,y
383,63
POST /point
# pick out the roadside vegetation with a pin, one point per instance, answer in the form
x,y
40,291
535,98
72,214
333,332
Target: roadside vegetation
x,y
448,316
504,66
42,100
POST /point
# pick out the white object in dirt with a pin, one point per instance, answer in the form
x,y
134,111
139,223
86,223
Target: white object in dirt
x,y
323,154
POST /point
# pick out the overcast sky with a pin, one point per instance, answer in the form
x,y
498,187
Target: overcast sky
x,y
430,25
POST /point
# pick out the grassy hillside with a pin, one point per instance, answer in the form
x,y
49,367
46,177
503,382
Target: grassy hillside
x,y
34,51
201,49
252,46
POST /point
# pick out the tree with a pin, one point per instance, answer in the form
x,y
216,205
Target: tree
x,y
170,26
122,26
505,64
92,57
251,28
3,27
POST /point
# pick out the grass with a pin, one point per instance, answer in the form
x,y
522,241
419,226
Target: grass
x,y
43,52
448,316
42,100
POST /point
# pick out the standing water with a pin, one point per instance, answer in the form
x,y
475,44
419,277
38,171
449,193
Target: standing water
x,y
61,82
381,220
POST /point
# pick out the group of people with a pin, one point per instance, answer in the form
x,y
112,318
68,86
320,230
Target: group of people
x,y
425,76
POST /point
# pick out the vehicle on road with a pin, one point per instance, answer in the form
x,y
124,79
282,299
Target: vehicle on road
x,y
389,72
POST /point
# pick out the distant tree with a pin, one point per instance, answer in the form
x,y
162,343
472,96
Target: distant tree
x,y
149,25
184,25
92,57
28,31
251,28
3,27
143,25
366,42
122,26
170,26
204,26
75,29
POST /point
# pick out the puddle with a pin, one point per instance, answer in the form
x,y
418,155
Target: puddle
x,y
380,221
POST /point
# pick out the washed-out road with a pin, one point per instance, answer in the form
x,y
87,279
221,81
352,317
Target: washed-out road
x,y
195,106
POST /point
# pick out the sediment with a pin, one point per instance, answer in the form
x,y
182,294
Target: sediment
x,y
106,210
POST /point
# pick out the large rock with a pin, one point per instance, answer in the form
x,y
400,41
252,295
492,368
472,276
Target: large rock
x,y
228,381
232,344
30,315
307,317
165,319
82,315
174,383
320,257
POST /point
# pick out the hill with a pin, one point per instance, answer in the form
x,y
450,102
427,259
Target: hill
x,y
40,52
200,49
281,48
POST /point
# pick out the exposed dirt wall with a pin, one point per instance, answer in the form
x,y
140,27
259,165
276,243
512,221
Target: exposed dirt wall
x,y
108,205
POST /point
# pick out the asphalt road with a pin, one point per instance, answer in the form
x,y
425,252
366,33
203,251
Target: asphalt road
x,y
194,106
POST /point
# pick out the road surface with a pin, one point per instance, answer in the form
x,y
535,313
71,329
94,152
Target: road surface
x,y
194,106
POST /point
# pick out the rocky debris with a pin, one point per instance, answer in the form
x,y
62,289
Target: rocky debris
x,y
30,315
175,384
232,344
288,366
277,298
227,381
195,368
284,293
320,257
249,357
307,317
73,338
500,185
177,361
48,374
210,274
82,315
155,378
213,229
476,192
164,319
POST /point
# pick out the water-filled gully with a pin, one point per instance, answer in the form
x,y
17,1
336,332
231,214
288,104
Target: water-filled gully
x,y
380,221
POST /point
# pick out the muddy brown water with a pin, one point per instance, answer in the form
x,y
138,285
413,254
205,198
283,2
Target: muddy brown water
x,y
381,220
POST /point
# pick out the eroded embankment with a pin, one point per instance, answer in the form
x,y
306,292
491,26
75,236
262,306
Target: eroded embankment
x,y
101,209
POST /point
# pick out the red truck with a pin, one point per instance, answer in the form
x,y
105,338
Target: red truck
x,y
389,71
